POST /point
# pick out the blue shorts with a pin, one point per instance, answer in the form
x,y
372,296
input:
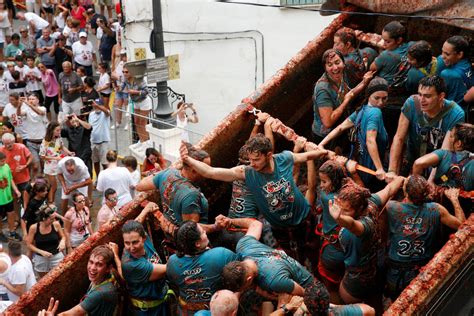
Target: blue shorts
x,y
121,96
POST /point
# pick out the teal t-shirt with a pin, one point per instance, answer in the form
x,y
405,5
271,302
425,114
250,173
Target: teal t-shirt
x,y
416,74
242,202
6,178
179,196
101,300
330,253
327,94
198,277
412,230
369,118
137,272
12,50
421,125
360,251
458,79
355,66
388,61
277,196
345,310
446,160
277,271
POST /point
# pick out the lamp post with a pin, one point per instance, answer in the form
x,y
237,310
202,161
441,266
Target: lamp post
x,y
163,110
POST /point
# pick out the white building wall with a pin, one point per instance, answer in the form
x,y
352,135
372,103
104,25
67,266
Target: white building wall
x,y
217,70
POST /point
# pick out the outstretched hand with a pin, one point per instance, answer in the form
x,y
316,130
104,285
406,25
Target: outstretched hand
x,y
334,209
52,308
452,193
183,151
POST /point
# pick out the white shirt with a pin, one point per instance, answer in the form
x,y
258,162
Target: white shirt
x,y
80,174
38,21
83,53
17,120
4,90
32,84
119,179
21,272
34,125
103,80
5,258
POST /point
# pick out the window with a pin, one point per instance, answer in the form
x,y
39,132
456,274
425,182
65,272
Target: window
x,y
302,2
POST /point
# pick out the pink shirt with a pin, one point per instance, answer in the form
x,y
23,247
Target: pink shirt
x,y
51,85
105,214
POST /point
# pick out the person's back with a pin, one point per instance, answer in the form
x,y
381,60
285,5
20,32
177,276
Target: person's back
x,y
21,272
100,127
119,179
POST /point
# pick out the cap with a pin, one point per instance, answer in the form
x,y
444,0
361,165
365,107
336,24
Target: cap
x,y
376,84
82,34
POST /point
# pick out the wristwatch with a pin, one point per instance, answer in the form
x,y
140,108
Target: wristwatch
x,y
285,309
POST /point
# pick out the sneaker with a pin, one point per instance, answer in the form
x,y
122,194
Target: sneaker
x,y
3,238
112,127
125,128
15,236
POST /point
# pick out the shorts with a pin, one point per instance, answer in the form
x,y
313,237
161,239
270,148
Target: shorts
x,y
121,96
6,208
52,100
21,186
360,284
105,2
105,95
2,45
144,105
43,264
72,107
99,151
49,10
82,190
34,149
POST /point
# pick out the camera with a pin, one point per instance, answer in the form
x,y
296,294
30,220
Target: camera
x,y
88,107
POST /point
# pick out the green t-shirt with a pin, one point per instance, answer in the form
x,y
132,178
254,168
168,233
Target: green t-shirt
x,y
6,179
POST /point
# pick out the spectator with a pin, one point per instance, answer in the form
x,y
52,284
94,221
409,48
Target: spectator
x,y
78,223
99,119
79,13
44,46
51,89
108,4
83,53
46,240
153,163
21,276
35,129
32,76
142,268
182,118
52,150
78,134
223,303
61,53
117,178
17,85
4,25
3,88
121,96
72,32
28,41
109,209
89,93
39,196
7,127
107,41
15,112
5,264
104,83
70,87
131,164
92,17
15,48
6,197
35,22
73,176
60,16
142,105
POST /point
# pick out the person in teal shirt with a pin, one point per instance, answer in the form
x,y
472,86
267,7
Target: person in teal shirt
x,y
413,225
371,138
357,61
15,48
356,210
423,64
425,124
7,187
453,168
332,95
196,269
457,70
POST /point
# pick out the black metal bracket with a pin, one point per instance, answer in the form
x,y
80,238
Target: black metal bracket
x,y
173,96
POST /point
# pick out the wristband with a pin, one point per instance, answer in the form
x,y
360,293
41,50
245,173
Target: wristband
x,y
285,309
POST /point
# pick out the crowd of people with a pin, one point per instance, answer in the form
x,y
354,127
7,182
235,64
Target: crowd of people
x,y
310,230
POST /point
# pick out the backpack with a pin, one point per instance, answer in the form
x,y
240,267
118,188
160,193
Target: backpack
x,y
456,170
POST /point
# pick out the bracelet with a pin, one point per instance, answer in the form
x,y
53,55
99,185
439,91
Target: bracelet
x,y
285,309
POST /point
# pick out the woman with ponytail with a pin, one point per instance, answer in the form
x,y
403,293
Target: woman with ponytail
x,y
413,224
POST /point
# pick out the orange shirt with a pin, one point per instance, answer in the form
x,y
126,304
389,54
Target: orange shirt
x,y
18,156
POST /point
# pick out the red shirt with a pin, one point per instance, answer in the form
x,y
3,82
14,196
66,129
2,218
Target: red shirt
x,y
118,9
18,156
78,14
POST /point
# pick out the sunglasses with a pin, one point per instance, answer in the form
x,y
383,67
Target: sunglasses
x,y
125,72
81,201
114,199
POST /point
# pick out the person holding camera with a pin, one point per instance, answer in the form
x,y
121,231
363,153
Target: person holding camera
x,y
107,40
99,119
182,118
78,225
77,131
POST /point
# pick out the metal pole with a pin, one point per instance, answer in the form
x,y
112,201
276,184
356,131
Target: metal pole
x,y
163,110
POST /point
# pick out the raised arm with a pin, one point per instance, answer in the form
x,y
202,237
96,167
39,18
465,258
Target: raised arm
x,y
253,226
336,132
390,189
354,226
428,160
310,154
453,195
